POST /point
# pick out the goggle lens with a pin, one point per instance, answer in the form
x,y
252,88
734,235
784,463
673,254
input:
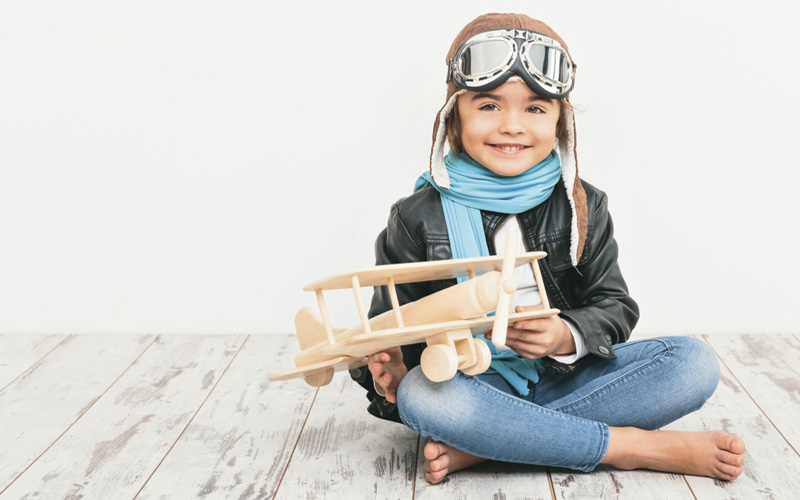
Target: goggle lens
x,y
484,59
550,62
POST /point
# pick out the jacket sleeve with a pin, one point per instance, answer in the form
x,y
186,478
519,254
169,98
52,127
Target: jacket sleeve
x,y
395,244
603,311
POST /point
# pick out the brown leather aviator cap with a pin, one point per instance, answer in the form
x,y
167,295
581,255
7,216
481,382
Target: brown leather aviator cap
x,y
565,147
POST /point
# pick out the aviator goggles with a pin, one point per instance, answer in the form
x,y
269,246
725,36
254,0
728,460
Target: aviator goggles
x,y
487,60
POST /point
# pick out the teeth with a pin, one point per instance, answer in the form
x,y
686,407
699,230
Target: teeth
x,y
511,148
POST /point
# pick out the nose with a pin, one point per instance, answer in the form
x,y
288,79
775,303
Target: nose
x,y
512,123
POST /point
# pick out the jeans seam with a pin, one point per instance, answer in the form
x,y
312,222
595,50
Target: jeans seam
x,y
624,375
522,402
588,466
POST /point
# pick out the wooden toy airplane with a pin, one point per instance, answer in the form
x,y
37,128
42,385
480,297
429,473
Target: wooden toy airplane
x,y
446,320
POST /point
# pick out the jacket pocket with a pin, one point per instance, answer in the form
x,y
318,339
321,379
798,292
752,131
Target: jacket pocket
x,y
558,255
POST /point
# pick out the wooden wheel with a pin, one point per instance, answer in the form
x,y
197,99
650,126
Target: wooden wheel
x,y
439,362
320,378
484,355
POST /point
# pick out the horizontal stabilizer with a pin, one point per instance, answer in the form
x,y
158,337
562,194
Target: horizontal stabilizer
x,y
319,374
310,329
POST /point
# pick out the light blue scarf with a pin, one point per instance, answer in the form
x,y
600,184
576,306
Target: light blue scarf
x,y
474,188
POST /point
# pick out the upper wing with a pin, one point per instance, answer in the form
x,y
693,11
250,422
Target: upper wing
x,y
418,271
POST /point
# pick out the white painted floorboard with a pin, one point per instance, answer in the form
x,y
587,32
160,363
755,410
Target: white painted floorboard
x,y
345,453
18,353
54,394
115,446
242,439
193,417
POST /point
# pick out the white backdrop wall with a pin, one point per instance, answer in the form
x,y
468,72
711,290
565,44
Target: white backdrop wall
x,y
176,166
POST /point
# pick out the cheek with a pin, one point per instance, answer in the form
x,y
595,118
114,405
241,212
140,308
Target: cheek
x,y
545,133
472,133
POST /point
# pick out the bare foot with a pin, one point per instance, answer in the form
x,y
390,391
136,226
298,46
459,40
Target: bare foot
x,y
441,459
716,454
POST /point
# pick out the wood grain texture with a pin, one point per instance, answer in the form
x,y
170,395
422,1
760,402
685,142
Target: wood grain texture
x,y
768,368
771,466
119,442
18,353
88,422
495,480
411,272
346,453
607,483
239,444
53,394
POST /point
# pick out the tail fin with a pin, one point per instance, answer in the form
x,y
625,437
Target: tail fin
x,y
310,330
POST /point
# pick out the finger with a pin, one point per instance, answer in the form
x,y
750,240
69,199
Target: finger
x,y
527,351
519,334
511,334
376,369
520,309
516,345
378,358
534,325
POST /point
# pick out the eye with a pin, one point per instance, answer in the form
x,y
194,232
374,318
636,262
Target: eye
x,y
535,109
489,107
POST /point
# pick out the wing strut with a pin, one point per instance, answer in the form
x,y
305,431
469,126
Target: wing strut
x,y
326,320
395,303
506,289
362,311
537,273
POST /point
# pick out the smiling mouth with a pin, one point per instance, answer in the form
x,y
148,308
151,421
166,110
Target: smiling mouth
x,y
509,148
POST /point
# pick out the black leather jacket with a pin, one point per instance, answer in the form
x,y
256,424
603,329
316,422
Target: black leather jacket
x,y
592,296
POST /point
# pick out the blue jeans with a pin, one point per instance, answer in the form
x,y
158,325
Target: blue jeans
x,y
564,420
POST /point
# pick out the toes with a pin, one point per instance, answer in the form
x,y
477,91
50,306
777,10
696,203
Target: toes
x,y
434,477
736,445
440,463
729,442
729,458
728,472
433,450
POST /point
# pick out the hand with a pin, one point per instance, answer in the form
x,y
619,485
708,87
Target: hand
x,y
388,370
539,337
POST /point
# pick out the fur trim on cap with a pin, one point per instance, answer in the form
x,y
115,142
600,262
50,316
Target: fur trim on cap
x,y
575,193
438,168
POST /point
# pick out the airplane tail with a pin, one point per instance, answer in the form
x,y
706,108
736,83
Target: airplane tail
x,y
310,329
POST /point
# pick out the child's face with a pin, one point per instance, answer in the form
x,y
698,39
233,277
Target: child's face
x,y
509,129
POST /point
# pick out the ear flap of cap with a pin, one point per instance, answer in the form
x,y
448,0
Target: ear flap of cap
x,y
567,152
437,166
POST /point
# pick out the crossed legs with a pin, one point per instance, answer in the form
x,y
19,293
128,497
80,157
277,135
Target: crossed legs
x,y
603,412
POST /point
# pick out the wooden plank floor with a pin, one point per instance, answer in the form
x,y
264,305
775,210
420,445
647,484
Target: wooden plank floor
x,y
193,416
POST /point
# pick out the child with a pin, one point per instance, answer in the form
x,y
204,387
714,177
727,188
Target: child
x,y
569,392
